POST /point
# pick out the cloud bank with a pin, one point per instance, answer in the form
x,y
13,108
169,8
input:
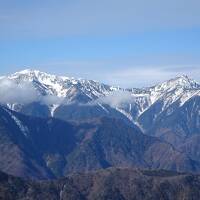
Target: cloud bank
x,y
11,92
115,99
23,93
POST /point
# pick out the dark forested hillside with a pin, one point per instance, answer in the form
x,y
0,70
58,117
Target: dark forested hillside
x,y
112,184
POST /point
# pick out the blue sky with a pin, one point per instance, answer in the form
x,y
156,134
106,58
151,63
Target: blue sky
x,y
126,43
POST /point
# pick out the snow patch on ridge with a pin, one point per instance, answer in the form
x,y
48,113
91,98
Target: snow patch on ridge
x,y
23,128
53,108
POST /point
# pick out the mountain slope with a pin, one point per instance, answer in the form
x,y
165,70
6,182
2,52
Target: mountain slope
x,y
181,128
48,148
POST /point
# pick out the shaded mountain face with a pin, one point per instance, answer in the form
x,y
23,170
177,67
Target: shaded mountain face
x,y
181,128
49,148
123,184
184,122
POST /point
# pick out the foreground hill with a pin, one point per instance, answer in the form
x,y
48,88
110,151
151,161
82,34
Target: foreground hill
x,y
112,184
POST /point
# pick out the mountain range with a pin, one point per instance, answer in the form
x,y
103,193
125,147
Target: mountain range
x,y
52,126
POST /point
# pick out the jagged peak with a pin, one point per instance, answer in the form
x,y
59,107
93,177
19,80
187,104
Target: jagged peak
x,y
27,71
183,78
182,81
37,74
59,85
31,72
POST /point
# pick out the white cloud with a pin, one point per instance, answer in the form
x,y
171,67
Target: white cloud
x,y
11,92
51,99
23,93
115,99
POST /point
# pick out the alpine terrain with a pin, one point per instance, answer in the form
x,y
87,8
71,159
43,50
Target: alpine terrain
x,y
99,137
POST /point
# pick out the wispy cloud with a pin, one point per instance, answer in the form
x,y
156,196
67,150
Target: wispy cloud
x,y
51,99
51,18
115,99
143,76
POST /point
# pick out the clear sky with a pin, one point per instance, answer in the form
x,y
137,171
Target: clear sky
x,y
122,42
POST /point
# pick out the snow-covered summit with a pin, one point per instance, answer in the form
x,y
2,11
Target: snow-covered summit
x,y
173,88
36,75
60,85
181,82
180,89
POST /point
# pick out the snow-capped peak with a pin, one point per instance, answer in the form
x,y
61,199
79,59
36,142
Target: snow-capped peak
x,y
30,75
60,85
28,71
181,89
181,82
